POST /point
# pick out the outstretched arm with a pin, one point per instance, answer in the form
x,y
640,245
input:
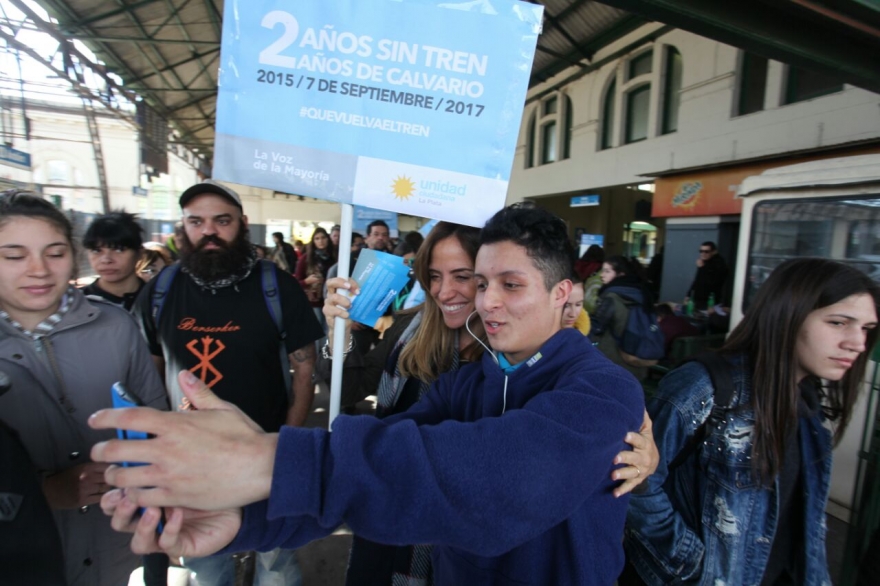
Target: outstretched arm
x,y
188,531
192,455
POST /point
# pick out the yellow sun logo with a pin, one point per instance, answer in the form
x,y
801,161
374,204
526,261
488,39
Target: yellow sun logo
x,y
403,187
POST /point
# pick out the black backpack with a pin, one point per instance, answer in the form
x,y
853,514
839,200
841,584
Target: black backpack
x,y
719,370
642,342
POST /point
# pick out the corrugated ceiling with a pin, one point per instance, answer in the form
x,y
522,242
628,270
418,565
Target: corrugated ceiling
x,y
168,50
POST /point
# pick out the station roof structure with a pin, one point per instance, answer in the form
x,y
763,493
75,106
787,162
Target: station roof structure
x,y
168,51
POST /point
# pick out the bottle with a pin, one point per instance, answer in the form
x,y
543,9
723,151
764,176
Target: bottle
x,y
711,303
689,307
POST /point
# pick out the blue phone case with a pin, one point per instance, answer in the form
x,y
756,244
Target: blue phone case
x,y
122,398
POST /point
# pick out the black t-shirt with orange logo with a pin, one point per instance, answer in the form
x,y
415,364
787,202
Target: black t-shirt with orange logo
x,y
227,338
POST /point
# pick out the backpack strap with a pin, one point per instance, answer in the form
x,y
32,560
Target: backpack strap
x,y
272,297
160,291
719,370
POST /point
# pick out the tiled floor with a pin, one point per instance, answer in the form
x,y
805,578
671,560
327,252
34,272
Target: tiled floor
x,y
835,546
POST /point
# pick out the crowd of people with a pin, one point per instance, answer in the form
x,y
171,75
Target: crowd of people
x,y
511,443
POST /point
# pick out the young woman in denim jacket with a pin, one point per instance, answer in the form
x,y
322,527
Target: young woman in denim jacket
x,y
747,506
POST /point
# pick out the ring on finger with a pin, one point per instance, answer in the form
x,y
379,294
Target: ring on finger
x,y
638,472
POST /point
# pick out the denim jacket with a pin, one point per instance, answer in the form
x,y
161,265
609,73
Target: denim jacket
x,y
709,522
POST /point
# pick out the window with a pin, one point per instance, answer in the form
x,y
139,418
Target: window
x,y
548,142
643,113
671,90
637,105
608,116
566,140
752,84
843,230
58,172
549,131
530,142
640,65
804,85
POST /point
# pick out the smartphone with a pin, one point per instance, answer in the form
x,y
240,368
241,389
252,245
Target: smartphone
x,y
123,397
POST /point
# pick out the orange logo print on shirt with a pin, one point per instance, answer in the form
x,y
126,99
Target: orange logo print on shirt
x,y
205,356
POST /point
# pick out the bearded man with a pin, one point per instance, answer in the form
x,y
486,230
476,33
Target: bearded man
x,y
214,318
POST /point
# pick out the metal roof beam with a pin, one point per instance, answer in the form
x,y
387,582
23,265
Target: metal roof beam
x,y
139,40
104,16
557,23
624,27
560,56
782,32
570,8
63,13
216,17
190,104
195,131
61,38
173,12
203,69
81,89
164,63
648,38
175,65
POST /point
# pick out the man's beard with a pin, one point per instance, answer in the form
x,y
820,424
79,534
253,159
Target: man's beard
x,y
222,262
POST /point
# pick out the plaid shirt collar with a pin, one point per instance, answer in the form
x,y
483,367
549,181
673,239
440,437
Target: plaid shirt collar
x,y
47,325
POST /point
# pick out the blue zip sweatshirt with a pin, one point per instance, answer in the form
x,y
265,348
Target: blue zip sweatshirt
x,y
519,497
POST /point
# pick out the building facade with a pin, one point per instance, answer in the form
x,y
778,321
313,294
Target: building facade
x,y
662,126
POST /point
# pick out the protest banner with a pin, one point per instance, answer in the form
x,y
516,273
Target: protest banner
x,y
412,106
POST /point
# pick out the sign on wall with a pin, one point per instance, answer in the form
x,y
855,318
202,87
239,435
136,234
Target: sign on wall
x,y
403,105
15,158
712,192
363,217
582,201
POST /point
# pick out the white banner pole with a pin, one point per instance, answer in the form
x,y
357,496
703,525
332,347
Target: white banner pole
x,y
339,341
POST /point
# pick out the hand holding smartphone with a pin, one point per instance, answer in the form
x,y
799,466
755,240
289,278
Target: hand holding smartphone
x,y
123,397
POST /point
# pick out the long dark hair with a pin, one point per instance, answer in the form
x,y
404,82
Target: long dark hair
x,y
312,261
621,265
629,275
768,336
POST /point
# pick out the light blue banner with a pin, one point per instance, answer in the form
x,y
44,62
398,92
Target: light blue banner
x,y
364,216
412,106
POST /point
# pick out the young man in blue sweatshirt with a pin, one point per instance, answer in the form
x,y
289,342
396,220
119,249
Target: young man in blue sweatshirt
x,y
508,466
